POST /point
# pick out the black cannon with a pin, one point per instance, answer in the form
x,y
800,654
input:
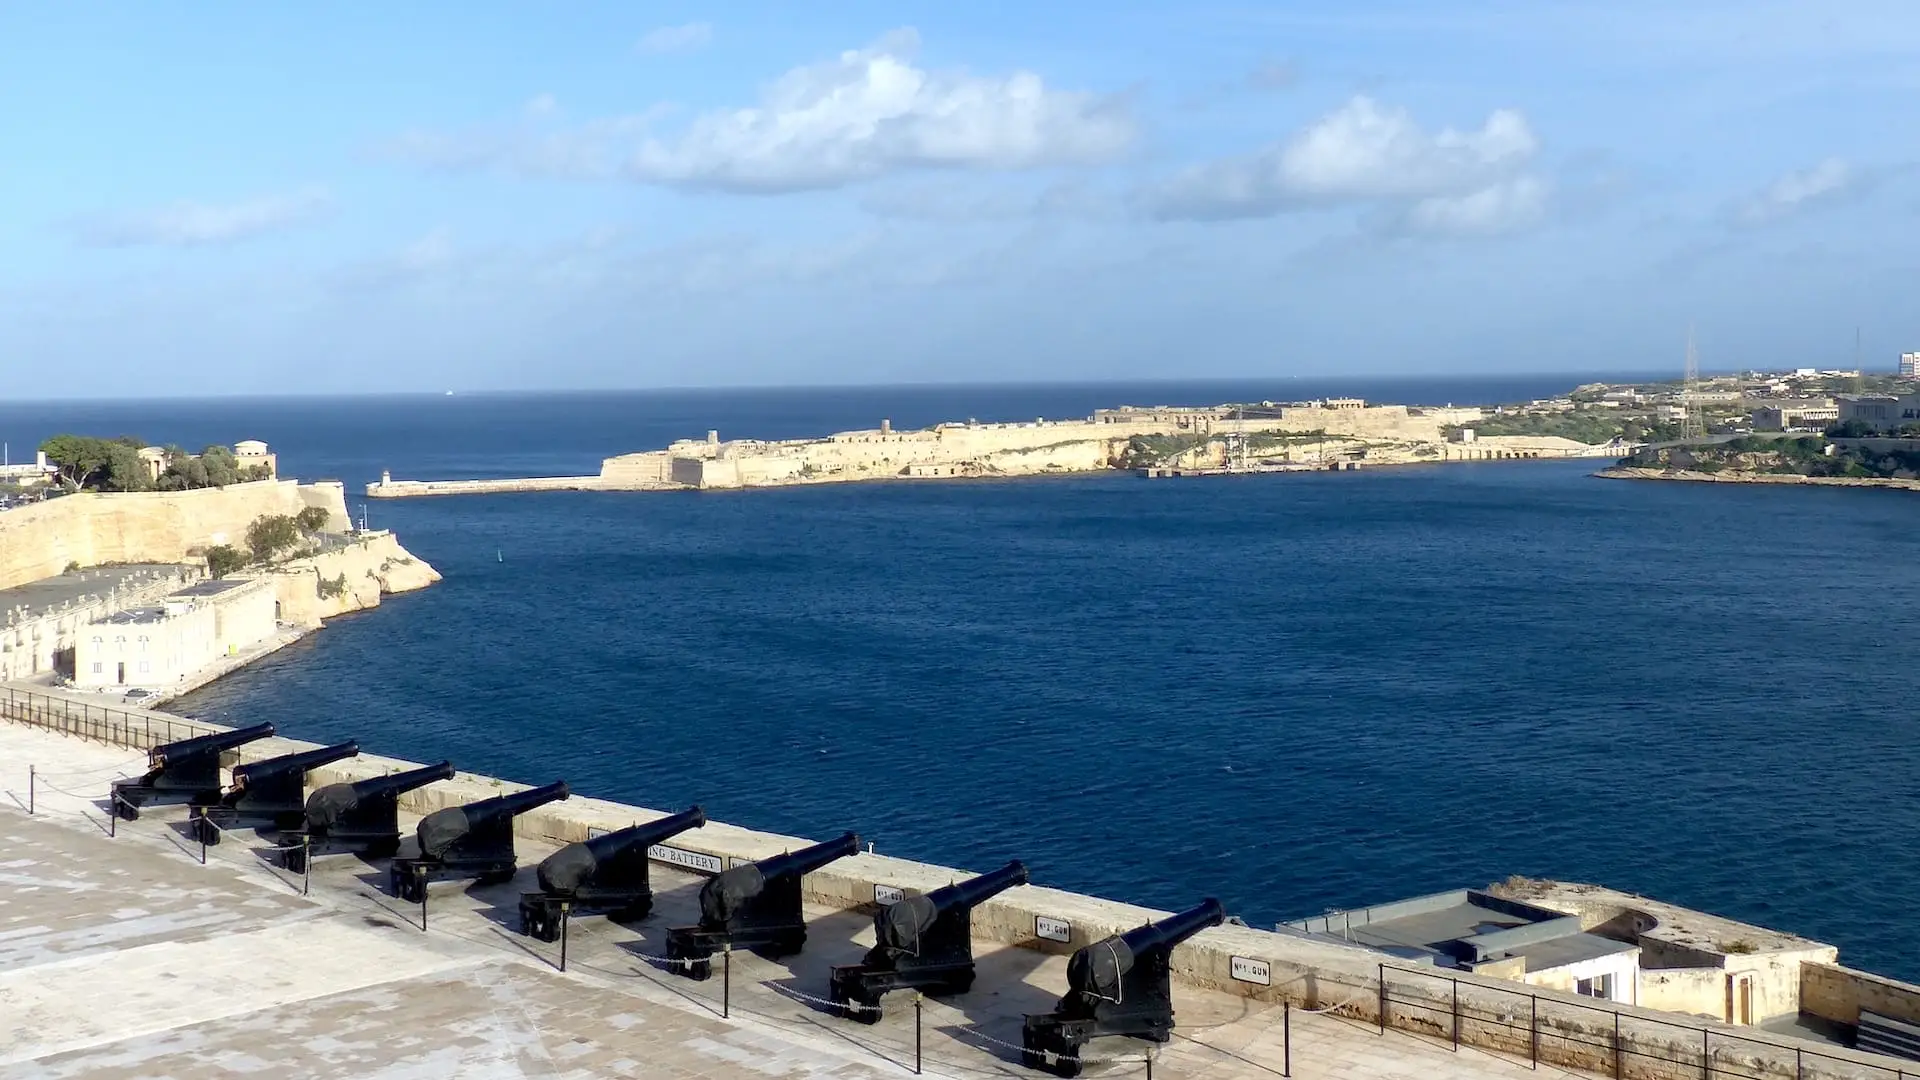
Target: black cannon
x,y
606,873
1116,986
268,794
362,816
475,840
921,943
756,906
184,771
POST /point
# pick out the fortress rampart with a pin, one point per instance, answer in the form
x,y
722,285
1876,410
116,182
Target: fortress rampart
x,y
1559,1028
91,528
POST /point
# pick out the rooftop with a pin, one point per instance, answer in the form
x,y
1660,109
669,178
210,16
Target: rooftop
x,y
1466,927
214,586
49,593
139,616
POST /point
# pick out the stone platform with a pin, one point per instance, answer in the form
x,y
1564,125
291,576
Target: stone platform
x,y
124,956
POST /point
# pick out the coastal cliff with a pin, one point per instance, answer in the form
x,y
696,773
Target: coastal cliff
x,y
348,579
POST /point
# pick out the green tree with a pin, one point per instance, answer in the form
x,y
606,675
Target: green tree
x,y
313,519
82,459
220,465
125,470
224,559
270,535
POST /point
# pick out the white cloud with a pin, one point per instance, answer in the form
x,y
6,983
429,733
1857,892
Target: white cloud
x,y
672,39
870,111
1360,152
1503,207
189,224
958,202
1797,191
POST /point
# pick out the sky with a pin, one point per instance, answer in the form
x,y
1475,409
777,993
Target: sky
x,y
215,198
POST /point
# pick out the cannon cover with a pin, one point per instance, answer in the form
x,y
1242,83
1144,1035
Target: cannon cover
x,y
730,891
566,870
440,830
900,924
1099,968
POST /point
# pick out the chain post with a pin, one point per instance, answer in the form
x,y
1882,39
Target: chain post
x,y
1383,999
420,878
1286,1037
1456,1016
726,982
916,1037
306,864
566,910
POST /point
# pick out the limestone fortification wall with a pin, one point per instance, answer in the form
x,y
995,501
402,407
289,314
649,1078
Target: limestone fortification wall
x,y
1567,1030
39,541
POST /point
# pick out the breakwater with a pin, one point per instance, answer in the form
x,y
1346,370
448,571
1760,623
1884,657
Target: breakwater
x,y
388,488
1540,1024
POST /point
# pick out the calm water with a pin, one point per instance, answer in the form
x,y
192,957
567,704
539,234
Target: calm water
x,y
1292,692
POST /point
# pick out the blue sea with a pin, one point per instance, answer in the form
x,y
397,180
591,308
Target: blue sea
x,y
1293,692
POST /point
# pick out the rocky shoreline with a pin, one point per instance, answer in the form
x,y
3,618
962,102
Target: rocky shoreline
x,y
1619,472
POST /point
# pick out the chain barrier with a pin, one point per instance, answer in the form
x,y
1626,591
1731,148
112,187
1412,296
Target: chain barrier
x,y
1055,1055
851,1006
1365,991
41,780
116,767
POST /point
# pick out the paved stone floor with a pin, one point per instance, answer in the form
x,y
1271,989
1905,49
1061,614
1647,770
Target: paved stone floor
x,y
124,957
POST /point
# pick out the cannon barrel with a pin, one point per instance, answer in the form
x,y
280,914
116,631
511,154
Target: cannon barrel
x,y
808,859
1097,970
517,803
646,835
212,741
621,855
401,782
1174,929
974,890
301,762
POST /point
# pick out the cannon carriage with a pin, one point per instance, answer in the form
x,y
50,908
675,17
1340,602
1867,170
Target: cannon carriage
x,y
474,840
265,794
361,817
185,771
754,906
608,873
920,943
1120,985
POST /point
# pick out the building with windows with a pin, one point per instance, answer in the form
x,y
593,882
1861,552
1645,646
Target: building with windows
x,y
1883,412
158,645
1910,364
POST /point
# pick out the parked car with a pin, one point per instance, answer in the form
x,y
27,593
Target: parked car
x,y
140,697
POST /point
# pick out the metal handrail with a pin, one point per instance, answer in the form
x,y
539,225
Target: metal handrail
x,y
1711,1037
99,723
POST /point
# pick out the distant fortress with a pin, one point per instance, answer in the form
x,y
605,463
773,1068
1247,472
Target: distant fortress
x,y
1352,431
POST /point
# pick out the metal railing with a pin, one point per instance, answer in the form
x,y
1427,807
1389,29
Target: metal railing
x,y
1597,1037
97,723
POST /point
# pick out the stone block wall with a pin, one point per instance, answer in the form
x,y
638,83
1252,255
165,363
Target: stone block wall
x,y
39,541
1560,1029
1837,993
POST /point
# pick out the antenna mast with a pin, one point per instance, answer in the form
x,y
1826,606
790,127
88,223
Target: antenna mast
x,y
1694,425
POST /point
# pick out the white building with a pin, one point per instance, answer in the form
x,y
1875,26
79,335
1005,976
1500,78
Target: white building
x,y
159,645
1910,364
